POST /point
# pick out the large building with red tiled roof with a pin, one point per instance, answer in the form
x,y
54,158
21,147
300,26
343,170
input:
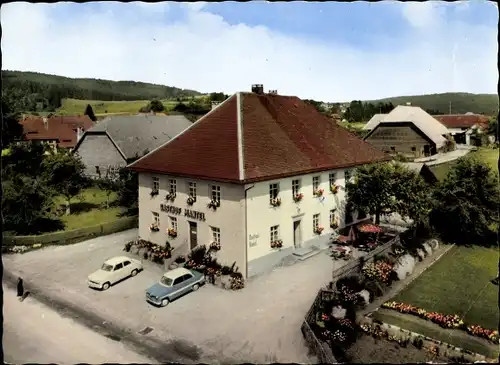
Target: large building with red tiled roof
x,y
253,175
461,126
57,131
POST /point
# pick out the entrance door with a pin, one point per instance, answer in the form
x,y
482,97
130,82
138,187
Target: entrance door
x,y
427,150
296,233
193,234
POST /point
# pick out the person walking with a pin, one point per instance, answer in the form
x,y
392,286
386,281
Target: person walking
x,y
20,288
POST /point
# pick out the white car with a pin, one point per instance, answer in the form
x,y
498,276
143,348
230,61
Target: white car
x,y
114,270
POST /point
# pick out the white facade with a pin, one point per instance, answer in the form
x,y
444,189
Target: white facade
x,y
245,218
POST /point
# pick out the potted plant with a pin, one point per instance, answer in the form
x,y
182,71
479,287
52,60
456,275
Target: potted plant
x,y
170,196
172,232
277,244
318,229
318,192
215,246
154,192
276,202
298,197
334,188
191,200
214,204
154,227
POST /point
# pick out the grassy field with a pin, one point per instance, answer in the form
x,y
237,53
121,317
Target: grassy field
x,y
488,155
459,283
88,210
74,106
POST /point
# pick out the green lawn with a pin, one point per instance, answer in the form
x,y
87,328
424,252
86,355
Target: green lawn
x,y
488,155
74,106
459,283
88,210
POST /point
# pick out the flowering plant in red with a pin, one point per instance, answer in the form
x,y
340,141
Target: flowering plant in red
x,y
153,227
334,188
379,270
318,230
277,244
318,192
215,246
298,197
276,202
172,232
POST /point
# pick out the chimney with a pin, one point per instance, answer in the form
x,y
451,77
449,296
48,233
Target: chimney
x,y
408,103
45,123
274,92
79,133
214,104
258,89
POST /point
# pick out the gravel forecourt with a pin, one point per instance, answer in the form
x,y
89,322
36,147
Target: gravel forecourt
x,y
259,324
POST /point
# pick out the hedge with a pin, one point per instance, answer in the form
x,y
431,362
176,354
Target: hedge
x,y
73,236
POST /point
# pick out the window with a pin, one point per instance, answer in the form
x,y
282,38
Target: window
x,y
179,280
215,193
186,277
173,186
156,183
126,263
274,190
156,218
393,148
332,215
315,221
192,189
315,183
173,223
347,175
215,234
118,266
98,171
332,179
275,233
414,149
295,187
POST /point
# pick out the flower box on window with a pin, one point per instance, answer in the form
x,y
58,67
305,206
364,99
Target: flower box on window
x,y
298,197
277,244
170,196
154,227
215,246
172,232
191,200
318,192
214,204
276,202
334,188
318,230
154,192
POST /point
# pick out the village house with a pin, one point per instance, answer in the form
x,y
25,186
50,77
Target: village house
x,y
463,126
118,140
260,176
59,132
407,130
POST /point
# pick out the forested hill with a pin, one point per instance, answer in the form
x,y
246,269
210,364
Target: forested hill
x,y
461,103
32,91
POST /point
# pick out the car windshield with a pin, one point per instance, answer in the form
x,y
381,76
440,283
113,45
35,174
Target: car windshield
x,y
107,267
166,281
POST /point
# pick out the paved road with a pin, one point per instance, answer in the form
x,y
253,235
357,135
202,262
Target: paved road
x,y
34,333
260,323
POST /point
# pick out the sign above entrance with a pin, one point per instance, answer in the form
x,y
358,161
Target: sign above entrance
x,y
187,212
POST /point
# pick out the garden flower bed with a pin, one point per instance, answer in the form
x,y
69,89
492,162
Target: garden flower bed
x,y
149,250
444,320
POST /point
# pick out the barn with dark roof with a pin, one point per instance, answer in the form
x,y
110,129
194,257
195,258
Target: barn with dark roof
x,y
254,175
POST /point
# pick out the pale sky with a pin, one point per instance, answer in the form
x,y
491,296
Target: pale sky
x,y
324,51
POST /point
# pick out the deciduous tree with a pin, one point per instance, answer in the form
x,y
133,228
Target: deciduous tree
x,y
466,203
128,190
156,106
109,183
12,130
90,113
64,173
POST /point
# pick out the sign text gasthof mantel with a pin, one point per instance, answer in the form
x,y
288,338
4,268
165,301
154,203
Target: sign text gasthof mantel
x,y
187,212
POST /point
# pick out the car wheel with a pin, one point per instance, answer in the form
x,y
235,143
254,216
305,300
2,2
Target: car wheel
x,y
134,272
195,287
165,302
105,286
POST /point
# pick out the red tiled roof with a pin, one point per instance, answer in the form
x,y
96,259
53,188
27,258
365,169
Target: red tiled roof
x,y
280,136
462,120
58,128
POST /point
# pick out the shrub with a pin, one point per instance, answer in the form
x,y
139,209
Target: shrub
x,y
128,246
351,282
146,255
180,259
418,343
198,255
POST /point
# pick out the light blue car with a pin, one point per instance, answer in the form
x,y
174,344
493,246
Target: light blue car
x,y
173,284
